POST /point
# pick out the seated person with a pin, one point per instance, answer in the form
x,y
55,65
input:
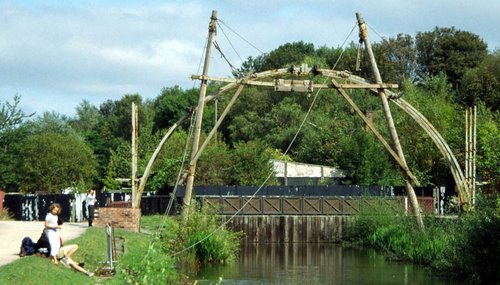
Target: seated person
x,y
64,255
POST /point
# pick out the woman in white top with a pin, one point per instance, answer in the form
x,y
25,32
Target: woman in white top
x,y
90,201
51,227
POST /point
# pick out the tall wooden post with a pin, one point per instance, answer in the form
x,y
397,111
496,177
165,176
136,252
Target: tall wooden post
x,y
135,121
363,33
186,202
470,152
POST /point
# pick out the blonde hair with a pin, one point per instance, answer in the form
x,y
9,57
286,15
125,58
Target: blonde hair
x,y
55,205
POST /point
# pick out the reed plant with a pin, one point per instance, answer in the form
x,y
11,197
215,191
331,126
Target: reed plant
x,y
467,246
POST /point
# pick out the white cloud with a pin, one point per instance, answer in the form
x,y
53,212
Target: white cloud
x,y
73,51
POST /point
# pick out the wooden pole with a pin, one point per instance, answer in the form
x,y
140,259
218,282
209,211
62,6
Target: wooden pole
x,y
135,202
363,33
474,149
186,202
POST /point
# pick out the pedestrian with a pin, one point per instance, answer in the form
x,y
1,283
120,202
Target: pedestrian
x,y
51,227
90,200
64,255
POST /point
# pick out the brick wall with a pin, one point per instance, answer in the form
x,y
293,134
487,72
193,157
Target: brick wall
x,y
125,218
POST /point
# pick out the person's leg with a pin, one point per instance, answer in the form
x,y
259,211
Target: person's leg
x,y
72,250
91,215
75,265
55,244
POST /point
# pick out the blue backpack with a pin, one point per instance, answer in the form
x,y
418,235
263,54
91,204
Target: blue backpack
x,y
27,247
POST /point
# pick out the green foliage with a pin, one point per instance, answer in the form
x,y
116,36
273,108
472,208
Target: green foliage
x,y
88,117
396,59
211,243
10,115
172,104
478,241
151,266
464,246
252,163
450,51
215,165
51,162
482,84
489,148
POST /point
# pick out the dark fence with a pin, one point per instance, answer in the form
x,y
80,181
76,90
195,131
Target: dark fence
x,y
35,207
326,190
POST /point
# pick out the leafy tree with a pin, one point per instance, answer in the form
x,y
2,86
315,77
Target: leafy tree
x,y
252,163
287,54
11,118
119,165
482,84
488,141
88,117
215,165
167,166
10,114
450,51
395,59
433,99
171,104
52,162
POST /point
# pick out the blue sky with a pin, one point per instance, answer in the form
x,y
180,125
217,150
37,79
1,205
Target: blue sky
x,y
54,54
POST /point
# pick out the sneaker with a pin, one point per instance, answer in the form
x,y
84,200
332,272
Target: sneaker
x,y
65,262
89,274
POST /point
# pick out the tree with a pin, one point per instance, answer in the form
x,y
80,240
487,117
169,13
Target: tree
x,y
11,118
215,165
88,117
171,104
52,162
252,163
488,157
10,114
395,59
450,51
482,84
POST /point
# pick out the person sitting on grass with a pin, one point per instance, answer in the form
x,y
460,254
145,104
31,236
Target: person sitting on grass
x,y
64,255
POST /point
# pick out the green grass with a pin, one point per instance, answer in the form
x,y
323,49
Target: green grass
x,y
467,246
147,259
92,250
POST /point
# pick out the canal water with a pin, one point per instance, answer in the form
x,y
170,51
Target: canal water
x,y
311,264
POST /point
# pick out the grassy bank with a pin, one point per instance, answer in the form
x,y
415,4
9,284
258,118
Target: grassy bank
x,y
467,246
151,257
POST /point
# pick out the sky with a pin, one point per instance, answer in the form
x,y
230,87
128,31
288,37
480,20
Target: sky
x,y
55,54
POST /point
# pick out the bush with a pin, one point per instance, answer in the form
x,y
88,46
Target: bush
x,y
466,246
212,243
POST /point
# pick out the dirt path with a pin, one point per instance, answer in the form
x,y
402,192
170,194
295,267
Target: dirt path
x,y
12,233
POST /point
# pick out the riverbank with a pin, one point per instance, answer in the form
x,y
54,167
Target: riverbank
x,y
467,246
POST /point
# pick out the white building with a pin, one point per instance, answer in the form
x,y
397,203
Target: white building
x,y
296,173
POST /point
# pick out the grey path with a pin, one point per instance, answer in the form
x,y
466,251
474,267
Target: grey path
x,y
12,232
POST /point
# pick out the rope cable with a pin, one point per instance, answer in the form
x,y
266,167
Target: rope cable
x,y
241,37
230,43
201,60
217,47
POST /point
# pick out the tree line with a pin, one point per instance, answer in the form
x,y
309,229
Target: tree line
x,y
440,72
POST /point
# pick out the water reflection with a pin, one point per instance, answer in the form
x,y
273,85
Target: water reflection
x,y
308,264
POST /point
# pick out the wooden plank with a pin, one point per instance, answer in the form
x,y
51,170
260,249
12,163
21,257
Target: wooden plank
x,y
312,205
271,205
253,206
292,206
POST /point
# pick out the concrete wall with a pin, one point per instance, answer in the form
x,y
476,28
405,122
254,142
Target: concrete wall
x,y
290,229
